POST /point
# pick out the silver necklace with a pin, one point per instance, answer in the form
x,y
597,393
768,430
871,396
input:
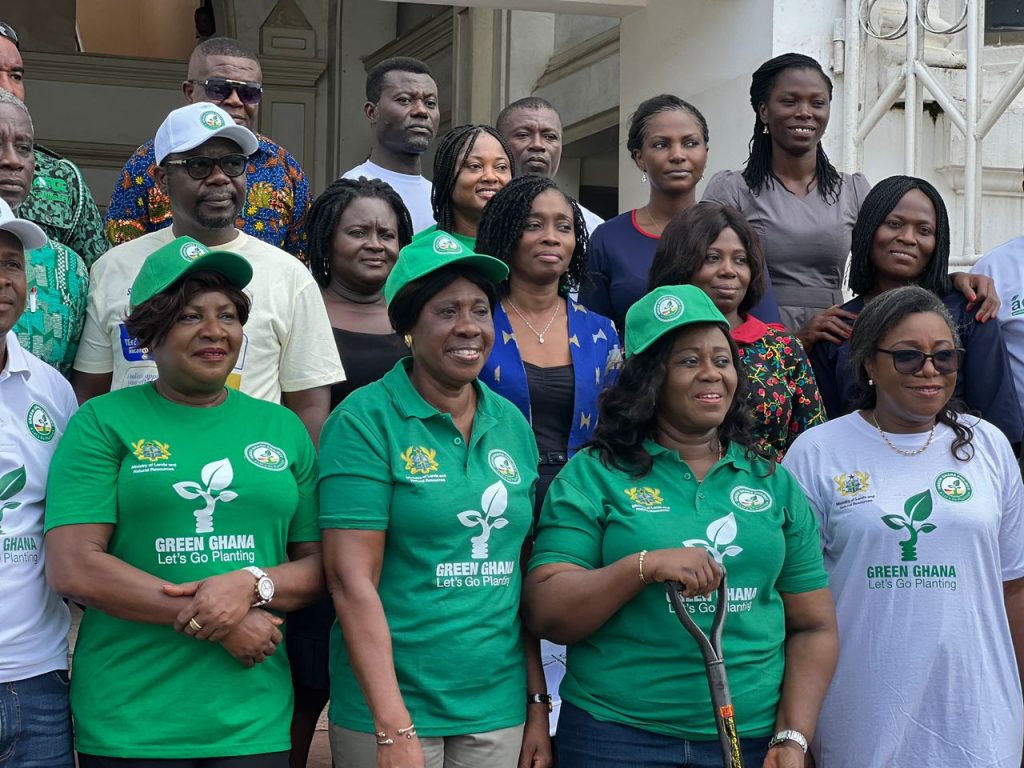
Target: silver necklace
x,y
899,450
538,334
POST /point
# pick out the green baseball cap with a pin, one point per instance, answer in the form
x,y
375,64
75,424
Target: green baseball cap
x,y
183,256
667,309
436,251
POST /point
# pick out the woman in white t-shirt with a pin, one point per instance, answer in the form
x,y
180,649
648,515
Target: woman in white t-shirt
x,y
921,514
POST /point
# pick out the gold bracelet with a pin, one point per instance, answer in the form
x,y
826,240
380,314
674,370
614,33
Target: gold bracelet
x,y
643,554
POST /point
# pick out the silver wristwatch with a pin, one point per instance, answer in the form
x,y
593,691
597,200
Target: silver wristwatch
x,y
264,586
789,735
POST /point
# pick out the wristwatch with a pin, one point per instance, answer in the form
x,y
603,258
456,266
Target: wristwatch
x,y
789,735
540,698
264,586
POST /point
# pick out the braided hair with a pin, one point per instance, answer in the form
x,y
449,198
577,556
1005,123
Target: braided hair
x,y
504,220
452,151
758,171
327,209
878,204
655,105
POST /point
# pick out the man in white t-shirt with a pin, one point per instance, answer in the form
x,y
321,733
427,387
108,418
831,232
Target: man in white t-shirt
x,y
288,353
35,405
533,128
401,105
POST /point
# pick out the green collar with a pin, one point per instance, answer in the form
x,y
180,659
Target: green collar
x,y
410,403
735,453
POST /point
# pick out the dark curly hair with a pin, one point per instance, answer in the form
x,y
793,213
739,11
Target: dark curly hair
x,y
504,220
452,151
758,172
627,411
153,319
878,204
878,318
685,242
327,209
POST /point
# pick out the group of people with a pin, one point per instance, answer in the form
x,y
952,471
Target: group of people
x,y
432,449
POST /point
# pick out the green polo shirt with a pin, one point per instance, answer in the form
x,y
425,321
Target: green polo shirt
x,y
642,668
456,517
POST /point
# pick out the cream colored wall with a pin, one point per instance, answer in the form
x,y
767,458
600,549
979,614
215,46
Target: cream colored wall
x,y
160,29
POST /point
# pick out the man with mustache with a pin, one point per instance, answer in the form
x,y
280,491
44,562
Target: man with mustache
x,y
288,354
401,105
533,128
223,72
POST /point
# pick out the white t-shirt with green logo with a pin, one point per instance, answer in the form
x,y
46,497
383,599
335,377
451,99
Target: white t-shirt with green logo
x,y
917,549
35,405
191,492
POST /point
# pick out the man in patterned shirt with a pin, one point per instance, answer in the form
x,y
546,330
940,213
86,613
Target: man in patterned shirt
x,y
223,72
59,201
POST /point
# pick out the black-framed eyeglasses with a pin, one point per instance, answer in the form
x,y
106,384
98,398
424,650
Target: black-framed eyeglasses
x,y
220,88
200,167
913,360
6,30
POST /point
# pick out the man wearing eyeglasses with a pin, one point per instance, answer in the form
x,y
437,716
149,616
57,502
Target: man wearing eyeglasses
x,y
288,354
59,201
223,72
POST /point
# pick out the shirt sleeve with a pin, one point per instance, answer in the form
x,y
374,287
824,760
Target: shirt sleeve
x,y
355,475
613,362
799,461
804,567
82,484
722,189
571,523
95,354
824,360
86,237
309,356
988,381
595,293
806,409
77,309
128,215
305,525
295,237
1011,526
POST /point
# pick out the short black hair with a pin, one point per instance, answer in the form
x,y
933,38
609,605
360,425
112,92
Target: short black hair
x,y
655,105
685,242
152,320
327,209
406,305
223,46
375,77
528,102
504,219
452,151
878,204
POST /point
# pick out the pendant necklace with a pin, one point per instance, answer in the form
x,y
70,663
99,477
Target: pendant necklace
x,y
538,334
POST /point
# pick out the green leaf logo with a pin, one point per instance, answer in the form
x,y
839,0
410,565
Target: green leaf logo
x,y
11,484
915,510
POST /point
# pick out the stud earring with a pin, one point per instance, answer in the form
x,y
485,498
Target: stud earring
x,y
643,176
765,130
871,382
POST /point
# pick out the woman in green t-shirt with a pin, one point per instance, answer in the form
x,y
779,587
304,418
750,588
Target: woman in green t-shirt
x,y
670,489
426,487
183,514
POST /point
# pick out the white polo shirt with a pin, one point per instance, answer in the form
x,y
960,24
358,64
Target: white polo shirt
x,y
35,405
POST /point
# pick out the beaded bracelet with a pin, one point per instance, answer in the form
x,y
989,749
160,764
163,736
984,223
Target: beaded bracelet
x,y
383,740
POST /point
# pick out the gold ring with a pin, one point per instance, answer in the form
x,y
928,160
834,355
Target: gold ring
x,y
195,624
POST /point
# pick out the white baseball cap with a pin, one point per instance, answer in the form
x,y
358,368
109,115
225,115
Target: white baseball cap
x,y
30,234
188,127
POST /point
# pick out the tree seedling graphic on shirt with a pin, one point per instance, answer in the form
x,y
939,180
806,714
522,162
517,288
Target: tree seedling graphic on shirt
x,y
916,509
720,533
489,518
216,476
10,485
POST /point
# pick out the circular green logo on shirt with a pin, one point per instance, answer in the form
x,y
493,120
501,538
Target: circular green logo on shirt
x,y
668,308
503,466
751,499
192,251
211,120
40,424
953,486
266,456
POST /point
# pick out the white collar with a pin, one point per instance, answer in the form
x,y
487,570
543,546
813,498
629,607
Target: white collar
x,y
17,358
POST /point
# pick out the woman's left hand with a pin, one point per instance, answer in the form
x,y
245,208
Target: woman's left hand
x,y
219,603
978,289
787,756
536,751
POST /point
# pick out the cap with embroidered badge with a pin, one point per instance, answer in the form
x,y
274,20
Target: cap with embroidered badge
x,y
31,234
188,127
666,309
7,31
183,256
436,251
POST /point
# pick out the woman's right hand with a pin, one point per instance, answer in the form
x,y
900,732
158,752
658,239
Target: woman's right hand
x,y
404,753
692,567
830,325
254,638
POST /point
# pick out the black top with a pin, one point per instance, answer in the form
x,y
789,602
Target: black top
x,y
552,396
366,357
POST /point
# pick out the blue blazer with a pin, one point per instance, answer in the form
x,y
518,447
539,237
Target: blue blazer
x,y
596,359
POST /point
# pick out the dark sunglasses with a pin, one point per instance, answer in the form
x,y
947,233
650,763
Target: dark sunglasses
x,y
6,30
200,167
913,360
220,88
